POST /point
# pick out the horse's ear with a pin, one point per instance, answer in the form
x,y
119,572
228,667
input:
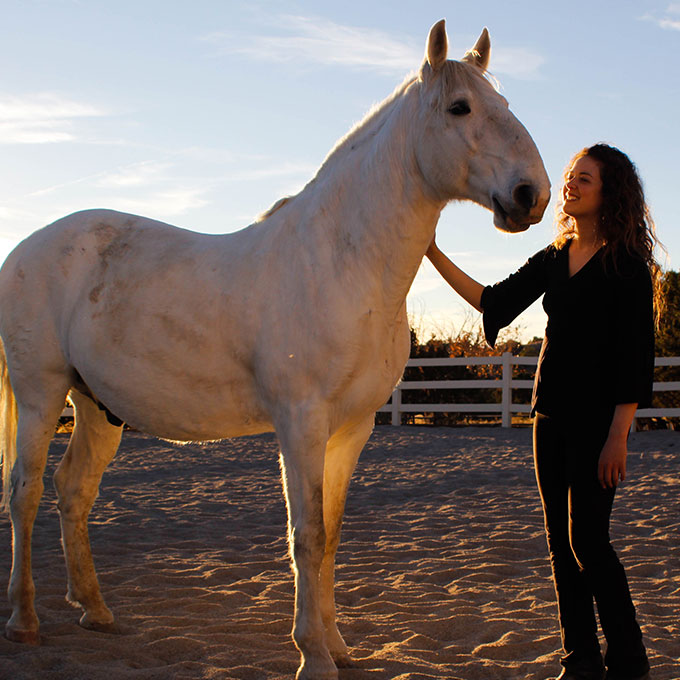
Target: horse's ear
x,y
437,46
480,53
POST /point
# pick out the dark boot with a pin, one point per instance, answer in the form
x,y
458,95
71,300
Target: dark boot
x,y
582,675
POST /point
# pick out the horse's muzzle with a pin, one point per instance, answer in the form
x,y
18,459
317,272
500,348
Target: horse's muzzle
x,y
526,208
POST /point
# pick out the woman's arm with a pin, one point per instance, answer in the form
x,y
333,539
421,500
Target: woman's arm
x,y
632,355
631,336
612,465
505,300
469,289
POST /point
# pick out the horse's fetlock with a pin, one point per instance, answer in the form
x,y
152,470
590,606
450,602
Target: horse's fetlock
x,y
310,641
21,597
72,597
317,667
301,635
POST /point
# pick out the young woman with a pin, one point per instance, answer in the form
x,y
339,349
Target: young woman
x,y
601,286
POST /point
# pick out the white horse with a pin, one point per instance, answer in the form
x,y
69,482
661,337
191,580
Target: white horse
x,y
297,323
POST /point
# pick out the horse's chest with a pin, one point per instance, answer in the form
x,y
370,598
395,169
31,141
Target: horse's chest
x,y
379,363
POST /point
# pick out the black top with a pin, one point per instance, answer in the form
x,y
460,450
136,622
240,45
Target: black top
x,y
598,349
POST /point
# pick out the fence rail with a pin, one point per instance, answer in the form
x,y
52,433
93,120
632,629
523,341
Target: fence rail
x,y
506,408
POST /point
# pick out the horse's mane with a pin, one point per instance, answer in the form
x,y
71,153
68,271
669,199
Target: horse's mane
x,y
365,129
270,211
368,127
371,124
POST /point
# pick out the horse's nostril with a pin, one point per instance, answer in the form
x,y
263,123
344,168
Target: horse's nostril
x,y
525,196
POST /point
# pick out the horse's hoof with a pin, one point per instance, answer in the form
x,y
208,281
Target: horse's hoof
x,y
343,661
305,674
24,637
112,628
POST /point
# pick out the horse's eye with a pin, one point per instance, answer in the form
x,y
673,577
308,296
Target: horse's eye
x,y
460,108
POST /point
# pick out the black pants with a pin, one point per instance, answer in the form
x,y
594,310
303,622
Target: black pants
x,y
577,510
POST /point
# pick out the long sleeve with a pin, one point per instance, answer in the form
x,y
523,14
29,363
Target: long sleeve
x,y
505,300
632,337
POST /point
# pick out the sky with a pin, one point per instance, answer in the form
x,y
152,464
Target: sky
x,y
202,114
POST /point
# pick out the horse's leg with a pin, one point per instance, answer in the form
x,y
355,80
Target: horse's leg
x,y
37,417
303,444
342,454
93,444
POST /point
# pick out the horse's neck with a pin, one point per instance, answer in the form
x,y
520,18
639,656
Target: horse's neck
x,y
383,220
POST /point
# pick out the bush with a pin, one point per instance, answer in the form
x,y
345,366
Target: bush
x,y
469,342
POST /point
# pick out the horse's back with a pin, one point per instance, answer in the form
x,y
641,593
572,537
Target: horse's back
x,y
126,302
73,245
66,267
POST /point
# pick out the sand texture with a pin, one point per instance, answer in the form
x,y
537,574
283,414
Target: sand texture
x,y
442,570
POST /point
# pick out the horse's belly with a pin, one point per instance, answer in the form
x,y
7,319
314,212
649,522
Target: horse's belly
x,y
162,385
192,426
190,414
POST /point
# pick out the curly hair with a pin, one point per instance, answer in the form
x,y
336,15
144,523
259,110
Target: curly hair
x,y
626,225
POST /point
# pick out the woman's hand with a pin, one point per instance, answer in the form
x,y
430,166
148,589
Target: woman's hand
x,y
611,467
612,464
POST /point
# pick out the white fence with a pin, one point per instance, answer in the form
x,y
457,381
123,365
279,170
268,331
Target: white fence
x,y
506,408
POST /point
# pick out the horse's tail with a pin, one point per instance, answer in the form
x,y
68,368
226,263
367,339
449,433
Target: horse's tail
x,y
8,430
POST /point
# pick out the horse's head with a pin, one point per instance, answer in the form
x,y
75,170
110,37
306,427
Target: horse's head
x,y
470,146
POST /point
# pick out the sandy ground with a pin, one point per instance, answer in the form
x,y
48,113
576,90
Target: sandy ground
x,y
442,571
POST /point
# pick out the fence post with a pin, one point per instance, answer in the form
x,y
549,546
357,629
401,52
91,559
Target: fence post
x,y
506,391
396,406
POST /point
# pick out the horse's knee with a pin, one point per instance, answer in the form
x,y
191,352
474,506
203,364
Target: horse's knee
x,y
72,508
75,495
308,544
24,497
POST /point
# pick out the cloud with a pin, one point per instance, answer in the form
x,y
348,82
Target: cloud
x,y
320,41
162,204
670,19
136,175
173,185
152,187
670,23
272,170
516,62
42,118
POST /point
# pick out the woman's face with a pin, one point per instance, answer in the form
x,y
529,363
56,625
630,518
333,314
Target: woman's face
x,y
582,190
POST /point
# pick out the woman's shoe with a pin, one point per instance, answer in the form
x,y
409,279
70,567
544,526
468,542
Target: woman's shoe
x,y
592,675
